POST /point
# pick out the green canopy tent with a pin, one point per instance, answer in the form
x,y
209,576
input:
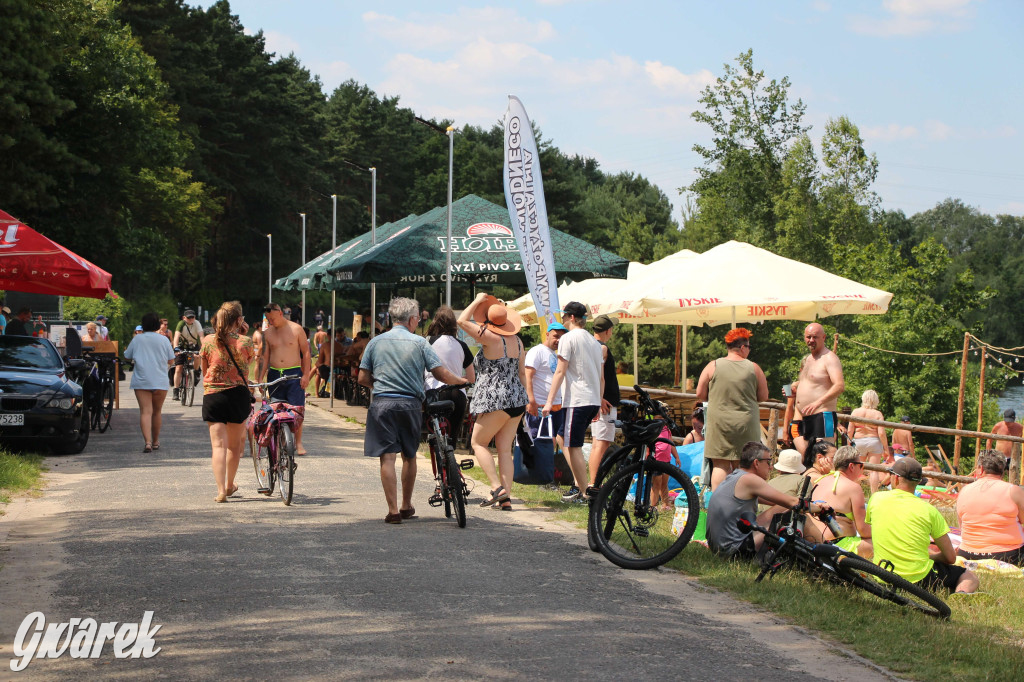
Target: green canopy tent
x,y
411,252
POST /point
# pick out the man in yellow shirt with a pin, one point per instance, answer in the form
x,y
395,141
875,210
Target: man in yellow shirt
x,y
902,527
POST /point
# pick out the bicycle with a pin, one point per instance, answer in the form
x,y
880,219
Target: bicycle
x,y
271,441
99,388
451,488
622,523
827,561
187,390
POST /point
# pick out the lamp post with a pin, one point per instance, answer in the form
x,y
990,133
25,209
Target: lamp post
x,y
303,263
334,292
448,245
270,268
373,240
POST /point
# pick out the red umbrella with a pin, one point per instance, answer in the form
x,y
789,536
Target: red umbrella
x,y
31,263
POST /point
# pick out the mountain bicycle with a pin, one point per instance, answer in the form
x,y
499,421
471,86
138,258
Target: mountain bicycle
x,y
451,490
271,440
788,547
623,524
187,392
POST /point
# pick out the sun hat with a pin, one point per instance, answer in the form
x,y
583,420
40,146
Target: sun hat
x,y
790,462
910,469
492,314
603,323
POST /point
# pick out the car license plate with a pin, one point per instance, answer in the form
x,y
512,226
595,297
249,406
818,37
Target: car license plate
x,y
12,419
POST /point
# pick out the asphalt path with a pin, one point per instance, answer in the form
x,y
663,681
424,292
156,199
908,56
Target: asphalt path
x,y
323,589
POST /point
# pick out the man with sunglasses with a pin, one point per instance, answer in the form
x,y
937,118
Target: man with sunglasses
x,y
737,497
285,351
188,335
841,490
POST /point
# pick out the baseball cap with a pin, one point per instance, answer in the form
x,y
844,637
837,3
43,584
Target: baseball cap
x,y
790,462
905,418
908,468
575,308
1009,415
189,313
138,327
557,326
101,317
603,323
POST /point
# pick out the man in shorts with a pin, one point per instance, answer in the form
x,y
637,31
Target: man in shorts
x,y
818,388
188,335
902,527
540,365
1008,427
393,366
579,365
285,352
602,430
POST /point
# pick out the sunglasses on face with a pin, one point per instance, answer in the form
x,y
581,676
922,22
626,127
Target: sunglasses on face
x,y
268,309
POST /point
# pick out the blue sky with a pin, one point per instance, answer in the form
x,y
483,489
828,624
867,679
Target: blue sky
x,y
935,86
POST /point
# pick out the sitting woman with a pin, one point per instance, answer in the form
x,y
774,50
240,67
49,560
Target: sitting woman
x,y
990,512
92,333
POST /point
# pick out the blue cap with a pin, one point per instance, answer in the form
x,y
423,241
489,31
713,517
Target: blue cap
x,y
138,327
557,326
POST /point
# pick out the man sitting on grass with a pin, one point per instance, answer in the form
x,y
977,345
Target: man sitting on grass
x,y
903,525
737,496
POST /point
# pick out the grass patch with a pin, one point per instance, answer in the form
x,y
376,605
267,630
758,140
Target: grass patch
x,y
984,640
18,473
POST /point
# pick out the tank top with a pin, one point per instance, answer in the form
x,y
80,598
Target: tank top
x,y
497,383
611,380
988,518
723,511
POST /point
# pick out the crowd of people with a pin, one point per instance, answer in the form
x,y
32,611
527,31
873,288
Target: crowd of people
x,y
556,391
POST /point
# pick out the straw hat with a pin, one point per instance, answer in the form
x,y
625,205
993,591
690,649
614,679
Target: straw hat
x,y
494,315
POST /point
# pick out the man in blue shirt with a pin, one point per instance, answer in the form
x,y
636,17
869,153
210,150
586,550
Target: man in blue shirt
x,y
393,366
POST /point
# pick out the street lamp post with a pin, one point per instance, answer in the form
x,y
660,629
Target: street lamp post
x,y
448,245
334,292
373,240
270,268
303,263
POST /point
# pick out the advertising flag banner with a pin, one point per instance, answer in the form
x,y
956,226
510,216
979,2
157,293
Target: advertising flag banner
x,y
524,194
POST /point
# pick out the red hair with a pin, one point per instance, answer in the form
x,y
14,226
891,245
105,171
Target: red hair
x,y
734,335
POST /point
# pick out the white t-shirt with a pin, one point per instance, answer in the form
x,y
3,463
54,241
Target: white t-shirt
x,y
583,375
544,361
452,356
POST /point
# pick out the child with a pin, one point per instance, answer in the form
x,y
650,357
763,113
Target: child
x,y
663,452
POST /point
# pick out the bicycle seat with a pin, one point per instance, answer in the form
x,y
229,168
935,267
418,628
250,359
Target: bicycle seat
x,y
440,407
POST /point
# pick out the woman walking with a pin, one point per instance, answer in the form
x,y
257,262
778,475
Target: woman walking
x,y
733,386
152,355
227,356
499,399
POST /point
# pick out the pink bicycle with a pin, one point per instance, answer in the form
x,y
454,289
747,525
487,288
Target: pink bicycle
x,y
271,438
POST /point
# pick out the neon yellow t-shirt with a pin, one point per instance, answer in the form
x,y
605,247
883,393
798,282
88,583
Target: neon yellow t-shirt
x,y
902,527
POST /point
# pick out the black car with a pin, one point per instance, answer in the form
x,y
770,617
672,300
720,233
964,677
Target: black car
x,y
39,403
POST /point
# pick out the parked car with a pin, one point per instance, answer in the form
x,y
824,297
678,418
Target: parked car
x,y
39,402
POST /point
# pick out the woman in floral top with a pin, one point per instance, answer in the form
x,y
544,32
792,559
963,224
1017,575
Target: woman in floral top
x,y
227,356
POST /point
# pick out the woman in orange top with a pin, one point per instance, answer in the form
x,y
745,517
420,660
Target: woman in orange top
x,y
991,512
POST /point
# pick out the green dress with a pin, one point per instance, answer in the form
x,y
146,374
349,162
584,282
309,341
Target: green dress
x,y
733,417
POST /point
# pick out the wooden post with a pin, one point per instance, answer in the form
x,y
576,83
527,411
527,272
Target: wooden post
x,y
981,402
960,402
835,342
679,349
684,386
773,431
1015,473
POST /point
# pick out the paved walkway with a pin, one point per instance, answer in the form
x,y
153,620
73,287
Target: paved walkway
x,y
324,589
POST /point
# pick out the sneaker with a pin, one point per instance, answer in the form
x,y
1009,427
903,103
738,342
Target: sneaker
x,y
578,498
573,493
176,394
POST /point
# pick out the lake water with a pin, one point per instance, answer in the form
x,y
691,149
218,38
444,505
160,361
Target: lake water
x,y
1012,398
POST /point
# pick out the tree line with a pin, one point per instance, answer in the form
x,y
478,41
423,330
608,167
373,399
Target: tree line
x,y
162,142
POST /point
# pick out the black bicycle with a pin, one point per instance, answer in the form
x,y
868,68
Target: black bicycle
x,y
623,524
189,378
788,547
451,490
99,388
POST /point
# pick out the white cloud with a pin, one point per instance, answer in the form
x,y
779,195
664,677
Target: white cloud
x,y
670,79
820,6
889,133
937,130
280,44
452,30
914,17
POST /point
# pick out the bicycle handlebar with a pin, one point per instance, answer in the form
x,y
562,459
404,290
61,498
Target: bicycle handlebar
x,y
268,384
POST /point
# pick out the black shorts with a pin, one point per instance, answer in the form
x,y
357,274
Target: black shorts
x,y
942,576
1013,556
515,411
818,426
227,407
324,371
179,358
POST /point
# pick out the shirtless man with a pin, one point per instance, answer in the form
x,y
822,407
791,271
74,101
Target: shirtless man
x,y
904,438
285,352
818,388
1007,427
841,491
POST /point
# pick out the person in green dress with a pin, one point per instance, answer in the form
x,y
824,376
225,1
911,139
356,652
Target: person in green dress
x,y
732,387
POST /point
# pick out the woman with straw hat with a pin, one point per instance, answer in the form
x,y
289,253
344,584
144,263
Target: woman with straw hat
x,y
499,399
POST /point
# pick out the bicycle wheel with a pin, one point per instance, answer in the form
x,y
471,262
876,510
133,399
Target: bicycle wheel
x,y
632,534
455,490
610,463
186,379
884,584
191,390
285,461
261,462
444,475
106,406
